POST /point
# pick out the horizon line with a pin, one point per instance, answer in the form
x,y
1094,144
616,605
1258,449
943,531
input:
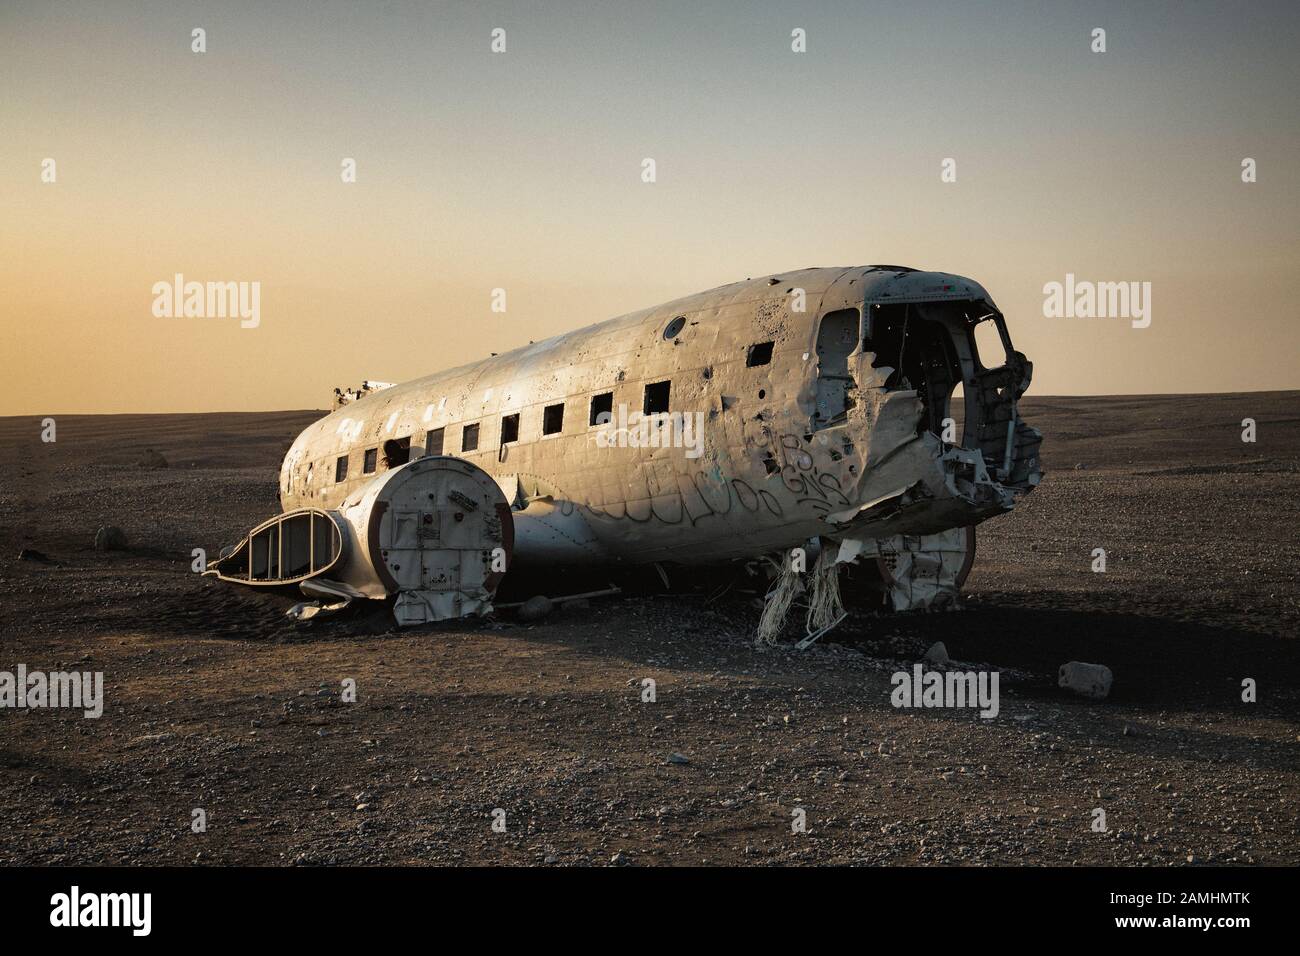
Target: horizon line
x,y
322,411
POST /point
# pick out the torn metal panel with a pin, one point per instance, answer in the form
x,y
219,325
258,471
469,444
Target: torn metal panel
x,y
327,589
308,610
345,396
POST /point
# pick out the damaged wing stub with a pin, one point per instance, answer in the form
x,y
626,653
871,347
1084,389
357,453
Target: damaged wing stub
x,y
435,535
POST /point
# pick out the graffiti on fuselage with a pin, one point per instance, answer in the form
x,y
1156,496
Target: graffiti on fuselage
x,y
802,478
692,498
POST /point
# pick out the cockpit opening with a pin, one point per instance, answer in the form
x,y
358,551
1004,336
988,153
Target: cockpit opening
x,y
914,340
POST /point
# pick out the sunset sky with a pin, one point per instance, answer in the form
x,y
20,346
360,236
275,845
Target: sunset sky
x,y
522,170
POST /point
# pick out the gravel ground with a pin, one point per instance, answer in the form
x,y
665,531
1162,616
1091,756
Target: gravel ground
x,y
214,701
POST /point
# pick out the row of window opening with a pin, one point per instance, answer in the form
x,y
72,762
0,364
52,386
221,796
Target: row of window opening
x,y
397,451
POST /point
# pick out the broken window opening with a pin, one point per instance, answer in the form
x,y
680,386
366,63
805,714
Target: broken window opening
x,y
602,408
368,462
341,469
914,340
990,350
837,338
397,452
957,412
469,437
656,398
553,419
760,354
509,428
433,441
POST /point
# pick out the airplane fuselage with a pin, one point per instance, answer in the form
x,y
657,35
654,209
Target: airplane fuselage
x,y
731,423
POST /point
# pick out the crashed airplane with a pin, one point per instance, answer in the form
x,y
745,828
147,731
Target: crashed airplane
x,y
849,411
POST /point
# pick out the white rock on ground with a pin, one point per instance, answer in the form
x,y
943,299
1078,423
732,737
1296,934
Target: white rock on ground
x,y
1089,680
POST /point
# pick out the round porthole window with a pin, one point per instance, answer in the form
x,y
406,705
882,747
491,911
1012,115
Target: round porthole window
x,y
674,328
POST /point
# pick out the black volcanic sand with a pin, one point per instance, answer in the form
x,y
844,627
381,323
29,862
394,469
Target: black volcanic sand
x,y
215,701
